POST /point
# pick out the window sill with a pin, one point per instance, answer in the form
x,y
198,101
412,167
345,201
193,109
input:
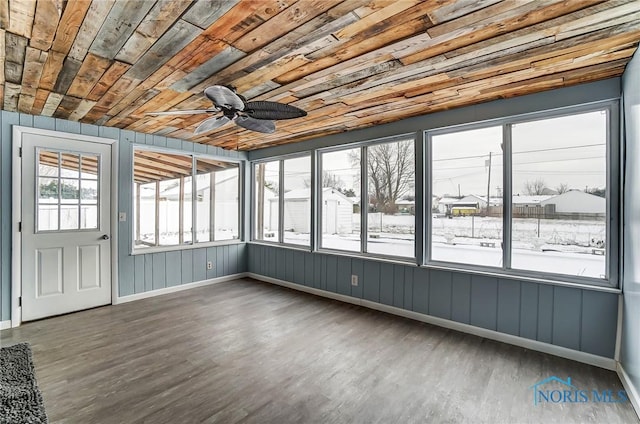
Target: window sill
x,y
282,245
158,249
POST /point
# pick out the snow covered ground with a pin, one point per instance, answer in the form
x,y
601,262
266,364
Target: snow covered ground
x,y
564,246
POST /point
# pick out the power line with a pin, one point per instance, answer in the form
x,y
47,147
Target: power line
x,y
551,149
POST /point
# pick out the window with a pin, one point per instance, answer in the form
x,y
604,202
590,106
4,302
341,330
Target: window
x,y
267,204
389,205
180,198
466,189
560,195
556,195
67,191
339,200
297,201
283,201
217,201
391,209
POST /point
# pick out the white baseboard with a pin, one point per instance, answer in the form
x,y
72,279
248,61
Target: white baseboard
x,y
160,292
587,358
5,324
630,388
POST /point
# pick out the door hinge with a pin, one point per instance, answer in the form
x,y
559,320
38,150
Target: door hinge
x,y
20,151
20,226
20,301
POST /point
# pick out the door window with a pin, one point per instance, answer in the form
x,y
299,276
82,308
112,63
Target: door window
x,y
67,191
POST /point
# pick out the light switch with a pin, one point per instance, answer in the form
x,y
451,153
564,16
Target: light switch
x,y
122,216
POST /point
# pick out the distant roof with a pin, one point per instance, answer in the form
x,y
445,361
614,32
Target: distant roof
x,y
531,200
305,193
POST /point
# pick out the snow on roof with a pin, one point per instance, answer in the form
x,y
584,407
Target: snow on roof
x,y
530,200
305,193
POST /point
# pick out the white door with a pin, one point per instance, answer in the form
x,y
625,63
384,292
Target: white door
x,y
66,225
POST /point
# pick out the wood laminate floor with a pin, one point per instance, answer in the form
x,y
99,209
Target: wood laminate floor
x,y
249,352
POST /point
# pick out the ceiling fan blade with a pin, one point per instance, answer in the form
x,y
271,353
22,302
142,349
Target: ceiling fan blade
x,y
182,112
259,125
211,124
273,110
224,97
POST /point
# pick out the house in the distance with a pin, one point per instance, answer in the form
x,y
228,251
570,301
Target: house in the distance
x,y
337,210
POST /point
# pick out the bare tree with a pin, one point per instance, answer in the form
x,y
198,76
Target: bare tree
x,y
331,180
328,180
562,188
535,187
391,173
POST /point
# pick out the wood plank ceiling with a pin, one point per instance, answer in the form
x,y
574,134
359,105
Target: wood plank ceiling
x,y
349,63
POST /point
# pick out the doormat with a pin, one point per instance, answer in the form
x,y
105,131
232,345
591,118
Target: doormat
x,y
20,398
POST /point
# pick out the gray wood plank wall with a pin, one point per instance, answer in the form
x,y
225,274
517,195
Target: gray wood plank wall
x,y
575,318
139,273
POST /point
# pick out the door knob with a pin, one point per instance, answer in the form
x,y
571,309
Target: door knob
x,y
105,237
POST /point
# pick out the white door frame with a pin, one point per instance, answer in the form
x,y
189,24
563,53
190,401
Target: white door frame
x,y
16,216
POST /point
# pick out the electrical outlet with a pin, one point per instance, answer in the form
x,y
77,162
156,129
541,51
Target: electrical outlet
x,y
209,265
354,280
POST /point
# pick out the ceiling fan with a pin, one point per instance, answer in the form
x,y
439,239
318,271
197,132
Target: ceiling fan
x,y
255,116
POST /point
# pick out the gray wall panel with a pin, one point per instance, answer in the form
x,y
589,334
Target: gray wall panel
x,y
173,268
186,267
599,322
298,271
309,270
484,302
440,294
408,287
461,298
545,313
159,271
398,286
332,272
148,272
509,307
386,283
567,315
139,274
281,260
289,265
529,310
371,281
219,264
421,290
343,275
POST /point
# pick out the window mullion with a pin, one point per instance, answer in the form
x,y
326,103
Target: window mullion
x,y
281,201
364,200
137,217
317,187
194,200
212,206
181,212
157,220
507,196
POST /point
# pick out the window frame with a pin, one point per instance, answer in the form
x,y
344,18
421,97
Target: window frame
x,y
312,193
193,244
613,184
364,194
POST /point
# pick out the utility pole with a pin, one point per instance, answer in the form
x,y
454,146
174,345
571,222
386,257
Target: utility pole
x,y
488,185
